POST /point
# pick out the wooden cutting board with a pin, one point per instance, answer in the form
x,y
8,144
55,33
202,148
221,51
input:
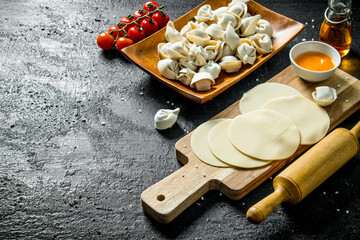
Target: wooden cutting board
x,y
169,197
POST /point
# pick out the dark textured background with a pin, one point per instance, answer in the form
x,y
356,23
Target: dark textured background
x,y
78,146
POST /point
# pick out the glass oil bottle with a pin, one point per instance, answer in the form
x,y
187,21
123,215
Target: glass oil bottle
x,y
337,28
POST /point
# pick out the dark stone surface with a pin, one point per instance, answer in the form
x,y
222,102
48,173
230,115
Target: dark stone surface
x,y
78,146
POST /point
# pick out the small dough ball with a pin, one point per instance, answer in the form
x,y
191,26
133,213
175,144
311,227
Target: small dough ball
x,y
264,134
313,121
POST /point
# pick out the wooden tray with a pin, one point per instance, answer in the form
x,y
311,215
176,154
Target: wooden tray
x,y
144,53
168,198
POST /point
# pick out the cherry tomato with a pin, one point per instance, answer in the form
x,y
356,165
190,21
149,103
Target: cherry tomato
x,y
115,33
150,6
161,18
123,42
105,41
149,25
139,13
126,20
136,33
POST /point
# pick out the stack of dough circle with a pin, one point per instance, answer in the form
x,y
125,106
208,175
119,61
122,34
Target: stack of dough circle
x,y
264,134
255,98
200,146
313,121
275,120
222,148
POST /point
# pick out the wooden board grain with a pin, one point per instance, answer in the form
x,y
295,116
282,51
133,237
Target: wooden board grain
x,y
168,198
144,53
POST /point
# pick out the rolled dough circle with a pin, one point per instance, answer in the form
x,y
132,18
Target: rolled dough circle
x,y
257,96
222,148
264,134
311,119
200,146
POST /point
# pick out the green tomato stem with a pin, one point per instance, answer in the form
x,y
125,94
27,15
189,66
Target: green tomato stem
x,y
142,17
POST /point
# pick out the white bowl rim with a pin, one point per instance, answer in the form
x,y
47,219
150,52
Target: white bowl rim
x,y
316,42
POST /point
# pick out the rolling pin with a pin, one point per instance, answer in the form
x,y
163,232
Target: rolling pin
x,y
308,171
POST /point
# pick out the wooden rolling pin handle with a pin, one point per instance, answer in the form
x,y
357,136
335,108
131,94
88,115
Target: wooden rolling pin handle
x,y
356,130
261,210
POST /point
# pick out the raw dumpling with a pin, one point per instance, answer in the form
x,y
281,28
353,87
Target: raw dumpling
x,y
183,63
264,26
177,50
233,2
202,81
217,12
187,43
198,55
227,17
227,51
248,25
188,27
231,38
324,95
165,118
239,9
262,43
202,25
172,35
168,68
246,52
214,49
162,50
247,15
185,76
198,36
230,64
205,14
215,32
211,67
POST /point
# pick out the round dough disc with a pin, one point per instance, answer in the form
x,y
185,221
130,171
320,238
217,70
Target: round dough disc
x,y
264,134
222,148
257,96
200,146
312,120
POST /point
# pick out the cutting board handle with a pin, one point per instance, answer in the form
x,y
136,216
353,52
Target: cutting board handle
x,y
166,199
356,130
262,209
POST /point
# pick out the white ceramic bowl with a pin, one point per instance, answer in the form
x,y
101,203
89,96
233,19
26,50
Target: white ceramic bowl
x,y
314,46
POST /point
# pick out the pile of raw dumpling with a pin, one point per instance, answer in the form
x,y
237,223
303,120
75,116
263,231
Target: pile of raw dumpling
x,y
221,39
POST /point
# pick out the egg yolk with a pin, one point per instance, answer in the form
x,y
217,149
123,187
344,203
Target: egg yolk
x,y
315,61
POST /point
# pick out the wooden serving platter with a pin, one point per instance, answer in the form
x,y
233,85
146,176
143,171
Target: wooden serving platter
x,y
144,53
169,197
